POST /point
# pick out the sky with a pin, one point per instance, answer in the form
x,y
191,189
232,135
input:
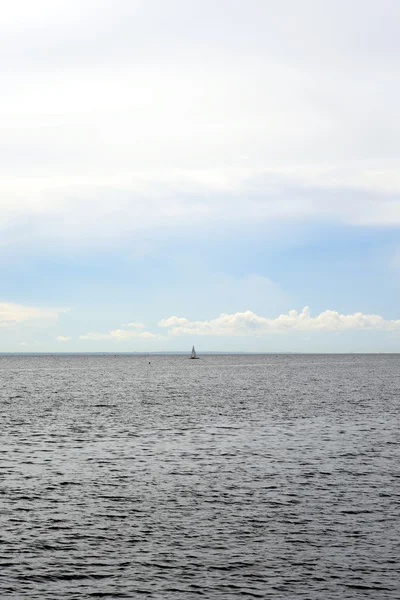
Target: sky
x,y
179,172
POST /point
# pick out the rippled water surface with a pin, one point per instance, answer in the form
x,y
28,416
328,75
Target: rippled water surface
x,y
231,476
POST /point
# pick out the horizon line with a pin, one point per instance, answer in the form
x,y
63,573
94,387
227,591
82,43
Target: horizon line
x,y
183,353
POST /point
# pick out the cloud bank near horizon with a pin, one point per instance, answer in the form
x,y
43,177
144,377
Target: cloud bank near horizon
x,y
246,323
17,320
250,324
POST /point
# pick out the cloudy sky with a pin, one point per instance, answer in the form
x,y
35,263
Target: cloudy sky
x,y
224,173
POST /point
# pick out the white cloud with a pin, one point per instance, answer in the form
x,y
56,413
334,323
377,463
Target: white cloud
x,y
146,130
250,324
119,335
59,212
63,338
12,314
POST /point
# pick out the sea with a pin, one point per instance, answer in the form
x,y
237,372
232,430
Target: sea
x,y
232,476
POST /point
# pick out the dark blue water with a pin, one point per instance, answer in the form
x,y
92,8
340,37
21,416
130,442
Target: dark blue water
x,y
226,477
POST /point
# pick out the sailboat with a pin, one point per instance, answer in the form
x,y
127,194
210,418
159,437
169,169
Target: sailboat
x,y
193,355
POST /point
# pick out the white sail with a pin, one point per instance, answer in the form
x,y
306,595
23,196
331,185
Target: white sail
x,y
193,353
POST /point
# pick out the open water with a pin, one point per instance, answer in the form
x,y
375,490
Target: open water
x,y
230,476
